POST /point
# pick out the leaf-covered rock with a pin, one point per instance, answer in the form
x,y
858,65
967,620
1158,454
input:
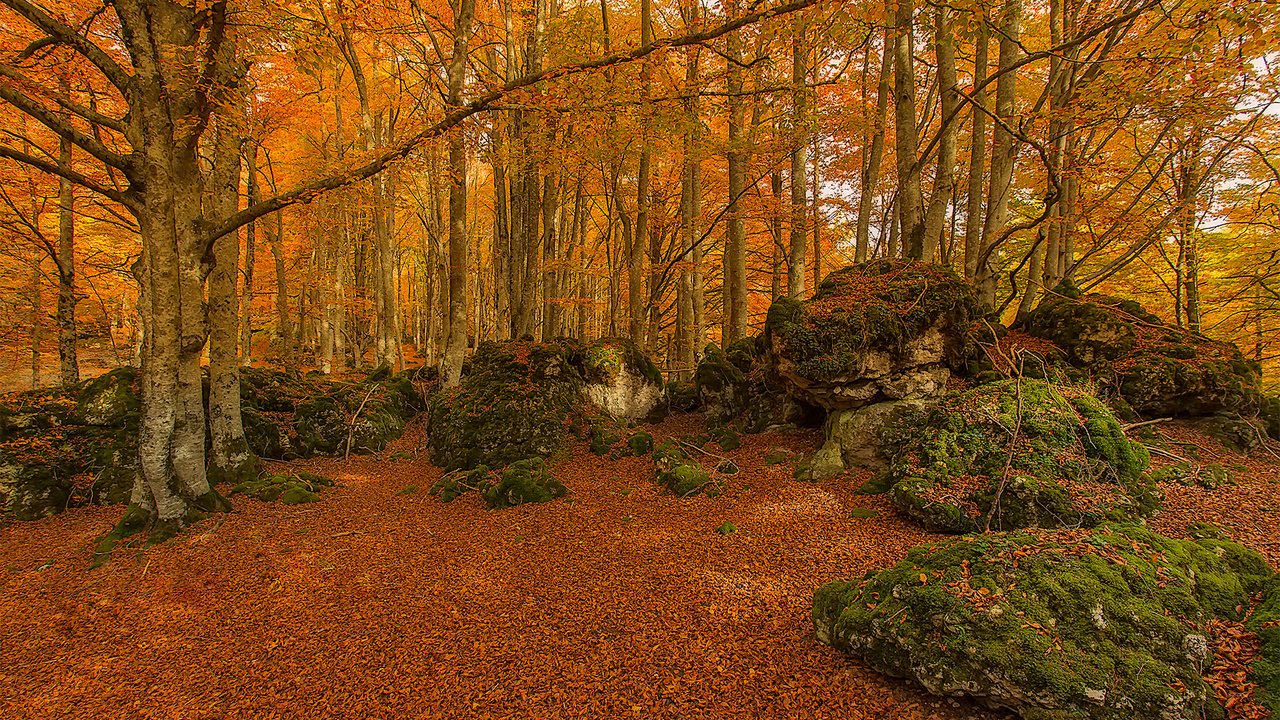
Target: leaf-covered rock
x,y
523,481
884,330
1054,625
1016,454
1158,369
516,400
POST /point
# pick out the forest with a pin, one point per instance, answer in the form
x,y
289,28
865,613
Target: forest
x,y
640,358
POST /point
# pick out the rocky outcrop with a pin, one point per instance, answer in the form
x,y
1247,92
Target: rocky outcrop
x,y
1137,359
1053,625
874,332
859,437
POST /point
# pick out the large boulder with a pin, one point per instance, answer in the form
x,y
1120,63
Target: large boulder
x,y
1054,625
516,400
739,385
1014,454
1265,623
622,381
1157,369
884,330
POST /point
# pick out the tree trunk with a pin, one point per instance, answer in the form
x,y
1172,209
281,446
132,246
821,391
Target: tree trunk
x,y
69,369
977,159
905,134
284,326
944,179
735,252
250,252
1003,151
799,161
871,172
230,459
456,348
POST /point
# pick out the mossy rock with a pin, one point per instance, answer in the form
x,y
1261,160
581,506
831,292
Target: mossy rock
x,y
286,488
110,398
1158,369
1241,434
721,385
523,481
517,399
262,434
682,475
622,381
739,385
1269,415
276,390
682,395
1052,624
1265,622
1208,476
884,330
954,470
31,492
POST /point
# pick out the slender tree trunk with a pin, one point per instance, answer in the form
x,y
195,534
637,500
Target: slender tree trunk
x,y
871,173
735,253
250,254
977,159
944,179
1003,151
638,299
284,326
69,369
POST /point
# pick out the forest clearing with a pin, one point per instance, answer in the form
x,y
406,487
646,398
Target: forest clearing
x,y
639,358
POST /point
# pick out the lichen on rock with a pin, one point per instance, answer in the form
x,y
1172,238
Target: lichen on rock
x,y
1014,454
1052,624
622,381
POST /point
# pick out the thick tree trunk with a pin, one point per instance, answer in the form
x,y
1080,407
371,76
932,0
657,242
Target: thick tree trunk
x,y
799,161
905,134
456,348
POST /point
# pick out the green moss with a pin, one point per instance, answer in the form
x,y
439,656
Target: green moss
x,y
521,482
727,528
604,358
958,470
860,513
288,489
640,443
1265,622
408,490
1052,624
1156,368
682,475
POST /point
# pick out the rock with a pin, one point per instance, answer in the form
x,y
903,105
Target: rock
x,y
739,385
109,398
622,381
516,400
952,469
286,488
1238,433
856,437
523,481
31,492
1265,622
262,434
682,475
721,385
1009,620
366,416
1157,369
885,330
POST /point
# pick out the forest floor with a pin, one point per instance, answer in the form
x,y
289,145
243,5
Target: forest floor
x,y
382,602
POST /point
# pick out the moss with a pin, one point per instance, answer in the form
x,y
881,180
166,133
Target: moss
x,y
523,481
1265,622
777,456
682,395
408,490
1052,624
603,359
135,520
727,528
882,305
1208,476
640,443
517,400
109,398
1156,368
262,434
957,469
682,475
860,513
287,489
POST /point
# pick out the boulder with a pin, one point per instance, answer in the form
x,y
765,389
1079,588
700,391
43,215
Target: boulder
x,y
1053,625
683,475
109,398
884,330
517,400
622,381
523,481
738,385
359,418
856,437
1157,369
1016,454
1265,622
